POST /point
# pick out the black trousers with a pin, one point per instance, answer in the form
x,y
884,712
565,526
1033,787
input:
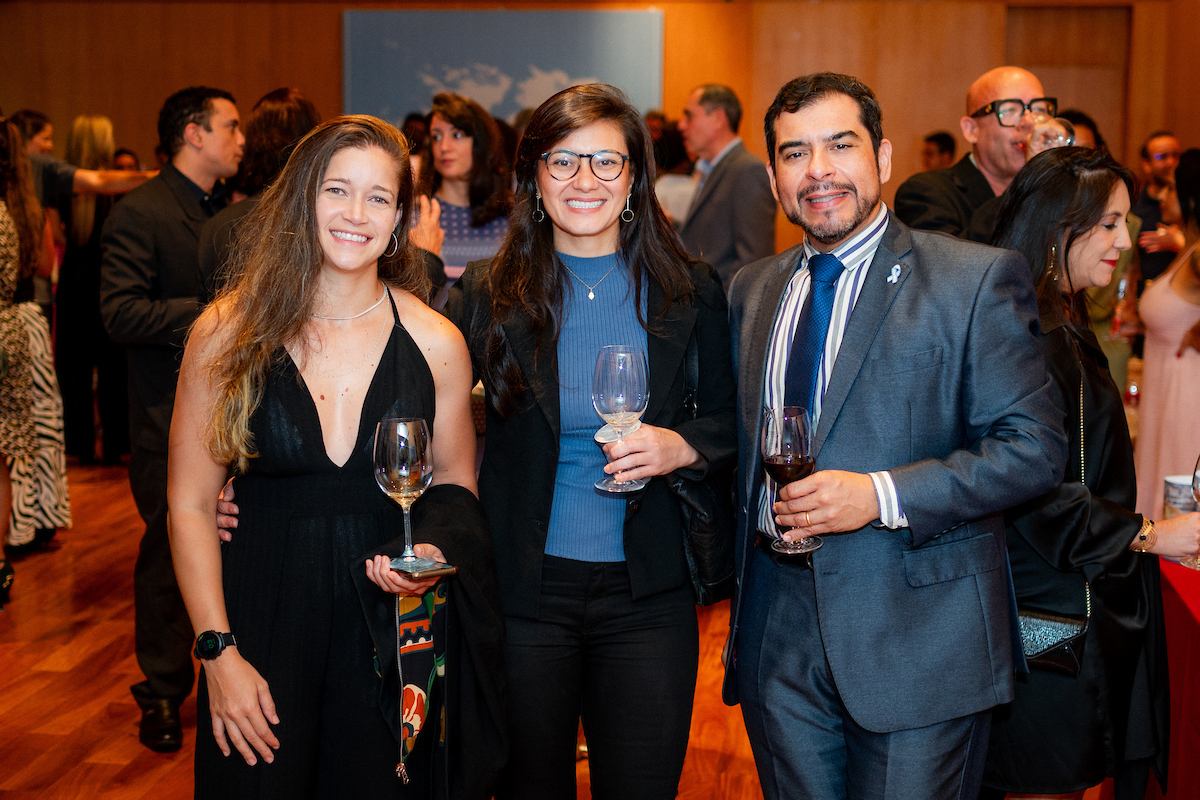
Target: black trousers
x,y
162,632
627,667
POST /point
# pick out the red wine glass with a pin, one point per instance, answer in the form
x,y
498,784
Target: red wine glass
x,y
787,457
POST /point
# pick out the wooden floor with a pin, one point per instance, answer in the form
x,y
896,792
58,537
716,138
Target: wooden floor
x,y
68,725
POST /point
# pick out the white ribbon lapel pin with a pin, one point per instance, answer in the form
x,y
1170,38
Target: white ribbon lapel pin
x,y
895,276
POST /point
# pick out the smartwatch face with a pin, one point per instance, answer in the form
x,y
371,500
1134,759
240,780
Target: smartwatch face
x,y
208,644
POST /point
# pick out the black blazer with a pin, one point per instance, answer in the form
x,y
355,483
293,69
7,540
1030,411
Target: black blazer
x,y
943,199
520,460
150,292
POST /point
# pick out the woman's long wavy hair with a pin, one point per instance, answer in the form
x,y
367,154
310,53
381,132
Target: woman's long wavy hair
x,y
490,179
90,145
1059,196
527,277
16,187
277,259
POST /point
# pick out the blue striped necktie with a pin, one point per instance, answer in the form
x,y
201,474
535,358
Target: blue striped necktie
x,y
809,340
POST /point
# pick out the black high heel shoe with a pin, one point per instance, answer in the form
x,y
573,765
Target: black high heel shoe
x,y
6,581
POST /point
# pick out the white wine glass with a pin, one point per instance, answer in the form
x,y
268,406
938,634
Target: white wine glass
x,y
787,457
404,470
620,391
1196,483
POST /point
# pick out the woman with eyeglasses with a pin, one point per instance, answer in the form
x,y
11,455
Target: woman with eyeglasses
x,y
599,612
1095,706
465,168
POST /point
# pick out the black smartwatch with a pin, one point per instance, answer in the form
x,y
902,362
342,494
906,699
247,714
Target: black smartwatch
x,y
211,644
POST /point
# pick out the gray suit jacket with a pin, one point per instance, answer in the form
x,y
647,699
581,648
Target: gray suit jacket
x,y
941,379
731,221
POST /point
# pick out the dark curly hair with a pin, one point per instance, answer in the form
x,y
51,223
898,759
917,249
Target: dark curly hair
x,y
276,124
490,194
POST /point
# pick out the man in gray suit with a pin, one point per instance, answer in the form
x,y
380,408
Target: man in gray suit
x,y
867,668
731,219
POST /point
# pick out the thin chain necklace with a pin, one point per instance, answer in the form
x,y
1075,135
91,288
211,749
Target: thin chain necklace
x,y
378,303
591,286
368,352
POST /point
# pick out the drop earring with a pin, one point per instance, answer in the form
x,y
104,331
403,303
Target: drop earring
x,y
538,214
627,214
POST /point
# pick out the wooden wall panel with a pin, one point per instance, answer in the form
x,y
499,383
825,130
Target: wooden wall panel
x,y
122,59
1148,93
707,43
1081,56
1182,98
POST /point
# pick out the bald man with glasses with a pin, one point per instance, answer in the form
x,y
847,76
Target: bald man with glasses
x,y
1000,110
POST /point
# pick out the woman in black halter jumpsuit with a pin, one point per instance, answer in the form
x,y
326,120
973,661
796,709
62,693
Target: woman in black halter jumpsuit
x,y
300,689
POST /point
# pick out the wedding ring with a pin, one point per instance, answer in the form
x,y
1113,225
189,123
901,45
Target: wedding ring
x,y
807,524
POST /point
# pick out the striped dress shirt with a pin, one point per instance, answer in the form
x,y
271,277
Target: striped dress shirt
x,y
855,255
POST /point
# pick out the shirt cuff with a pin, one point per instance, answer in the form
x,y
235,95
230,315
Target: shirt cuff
x,y
890,513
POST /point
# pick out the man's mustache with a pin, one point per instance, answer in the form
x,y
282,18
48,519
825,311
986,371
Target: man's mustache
x,y
825,187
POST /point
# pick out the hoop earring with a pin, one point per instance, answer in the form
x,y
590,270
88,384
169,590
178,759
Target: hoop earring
x,y
627,214
538,214
1053,265
395,246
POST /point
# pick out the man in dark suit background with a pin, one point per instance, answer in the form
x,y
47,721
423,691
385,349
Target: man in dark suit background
x,y
731,219
947,199
868,667
149,296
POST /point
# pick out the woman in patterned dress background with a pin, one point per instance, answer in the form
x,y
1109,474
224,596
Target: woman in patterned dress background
x,y
21,224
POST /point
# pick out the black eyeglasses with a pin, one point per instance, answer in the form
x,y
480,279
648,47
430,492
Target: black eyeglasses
x,y
607,165
1009,113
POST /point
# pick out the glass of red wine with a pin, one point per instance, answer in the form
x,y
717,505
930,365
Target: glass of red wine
x,y
786,458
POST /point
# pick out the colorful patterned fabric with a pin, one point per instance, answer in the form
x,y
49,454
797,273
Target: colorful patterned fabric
x,y
422,640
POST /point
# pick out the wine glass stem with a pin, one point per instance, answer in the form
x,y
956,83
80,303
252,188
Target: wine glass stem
x,y
409,554
620,440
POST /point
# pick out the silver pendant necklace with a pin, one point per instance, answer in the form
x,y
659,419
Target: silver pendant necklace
x,y
591,286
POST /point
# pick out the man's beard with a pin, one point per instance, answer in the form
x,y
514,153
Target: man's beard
x,y
832,230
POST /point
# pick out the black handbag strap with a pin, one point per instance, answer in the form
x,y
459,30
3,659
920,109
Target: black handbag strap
x,y
1087,588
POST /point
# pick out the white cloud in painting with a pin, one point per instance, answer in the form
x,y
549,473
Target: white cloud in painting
x,y
483,83
541,84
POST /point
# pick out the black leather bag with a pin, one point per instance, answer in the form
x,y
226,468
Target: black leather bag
x,y
709,523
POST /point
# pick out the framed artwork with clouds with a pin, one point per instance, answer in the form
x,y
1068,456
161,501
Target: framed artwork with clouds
x,y
395,61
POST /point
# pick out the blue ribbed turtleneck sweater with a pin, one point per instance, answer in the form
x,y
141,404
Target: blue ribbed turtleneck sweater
x,y
587,525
